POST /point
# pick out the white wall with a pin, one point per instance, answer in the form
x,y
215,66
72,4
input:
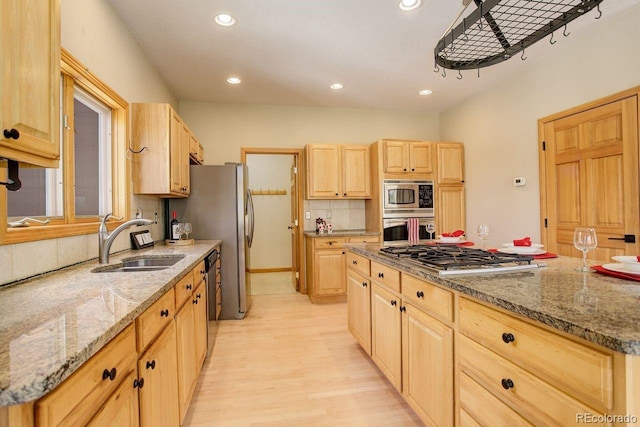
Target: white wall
x,y
224,129
499,126
272,239
93,33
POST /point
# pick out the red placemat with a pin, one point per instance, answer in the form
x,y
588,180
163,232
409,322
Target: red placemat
x,y
434,243
545,256
600,269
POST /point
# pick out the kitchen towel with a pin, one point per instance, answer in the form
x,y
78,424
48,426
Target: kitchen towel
x,y
413,228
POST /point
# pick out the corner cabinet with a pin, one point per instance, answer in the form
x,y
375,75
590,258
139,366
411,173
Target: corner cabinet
x,y
160,141
338,171
30,85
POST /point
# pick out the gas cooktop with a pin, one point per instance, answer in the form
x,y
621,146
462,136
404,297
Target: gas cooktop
x,y
453,259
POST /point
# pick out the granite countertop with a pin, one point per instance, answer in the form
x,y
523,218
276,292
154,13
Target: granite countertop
x,y
51,324
598,308
342,233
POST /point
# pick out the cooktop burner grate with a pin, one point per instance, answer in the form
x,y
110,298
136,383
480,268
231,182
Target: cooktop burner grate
x,y
449,257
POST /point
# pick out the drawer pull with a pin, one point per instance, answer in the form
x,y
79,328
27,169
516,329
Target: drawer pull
x,y
164,313
420,294
11,134
364,284
507,383
508,337
195,301
189,287
354,262
198,296
403,308
110,374
138,383
151,364
331,243
394,302
381,275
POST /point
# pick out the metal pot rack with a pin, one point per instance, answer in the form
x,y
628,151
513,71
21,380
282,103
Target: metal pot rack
x,y
499,29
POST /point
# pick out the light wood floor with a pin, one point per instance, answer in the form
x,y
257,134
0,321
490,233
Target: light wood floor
x,y
293,363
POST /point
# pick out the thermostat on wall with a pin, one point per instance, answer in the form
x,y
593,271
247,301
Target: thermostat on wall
x,y
519,181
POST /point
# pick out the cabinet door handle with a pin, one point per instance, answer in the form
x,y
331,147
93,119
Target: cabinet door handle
x,y
364,284
381,275
628,238
420,294
195,301
354,262
507,383
164,313
151,365
11,134
138,383
508,337
394,302
109,374
405,169
403,309
189,287
198,296
344,194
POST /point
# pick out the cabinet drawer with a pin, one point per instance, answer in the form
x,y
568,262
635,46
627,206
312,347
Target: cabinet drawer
x,y
76,400
329,243
199,274
578,369
480,407
183,289
427,297
358,263
385,275
535,399
364,239
154,319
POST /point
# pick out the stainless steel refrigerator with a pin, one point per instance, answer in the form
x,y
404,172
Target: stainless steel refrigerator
x,y
220,207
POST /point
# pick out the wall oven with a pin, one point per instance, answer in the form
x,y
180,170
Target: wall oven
x,y
403,198
396,230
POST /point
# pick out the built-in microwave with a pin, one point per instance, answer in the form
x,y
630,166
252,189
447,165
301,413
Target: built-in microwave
x,y
403,198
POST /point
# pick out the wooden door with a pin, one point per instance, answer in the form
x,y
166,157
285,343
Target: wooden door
x,y
30,82
159,394
394,156
589,174
356,179
427,359
294,225
420,157
323,171
386,330
450,157
450,209
121,409
359,309
186,359
330,272
200,325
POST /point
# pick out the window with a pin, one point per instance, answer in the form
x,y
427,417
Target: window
x,y
93,174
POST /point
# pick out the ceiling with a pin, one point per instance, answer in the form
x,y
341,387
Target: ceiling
x,y
289,52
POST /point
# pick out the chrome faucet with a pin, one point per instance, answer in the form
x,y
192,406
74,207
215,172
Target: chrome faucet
x,y
105,239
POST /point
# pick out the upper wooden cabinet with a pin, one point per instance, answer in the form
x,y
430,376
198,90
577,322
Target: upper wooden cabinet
x,y
196,152
450,163
162,168
338,171
406,157
30,87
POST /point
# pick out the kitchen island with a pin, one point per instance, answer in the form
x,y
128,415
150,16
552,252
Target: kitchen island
x,y
52,324
543,346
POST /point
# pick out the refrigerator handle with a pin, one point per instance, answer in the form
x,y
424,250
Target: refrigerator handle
x,y
250,218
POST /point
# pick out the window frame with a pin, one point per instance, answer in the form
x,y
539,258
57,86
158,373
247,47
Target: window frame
x,y
73,72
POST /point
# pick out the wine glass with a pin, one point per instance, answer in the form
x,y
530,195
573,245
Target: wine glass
x,y
187,229
431,229
484,231
585,239
179,230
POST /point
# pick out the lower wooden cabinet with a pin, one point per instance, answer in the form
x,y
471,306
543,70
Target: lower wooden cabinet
x,y
158,381
359,308
386,333
121,409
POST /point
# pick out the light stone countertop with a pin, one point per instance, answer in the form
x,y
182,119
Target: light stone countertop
x,y
51,324
342,233
601,309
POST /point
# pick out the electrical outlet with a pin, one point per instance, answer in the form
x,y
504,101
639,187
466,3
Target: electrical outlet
x,y
307,215
328,214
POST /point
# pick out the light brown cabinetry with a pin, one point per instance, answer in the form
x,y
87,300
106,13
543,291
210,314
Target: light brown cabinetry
x,y
196,152
449,186
121,409
338,171
359,300
162,168
327,266
407,157
30,84
386,334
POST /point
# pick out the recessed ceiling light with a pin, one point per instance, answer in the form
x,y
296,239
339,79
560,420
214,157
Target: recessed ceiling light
x,y
425,92
409,4
225,19
234,80
336,86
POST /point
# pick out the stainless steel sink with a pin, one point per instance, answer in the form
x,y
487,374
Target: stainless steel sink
x,y
150,263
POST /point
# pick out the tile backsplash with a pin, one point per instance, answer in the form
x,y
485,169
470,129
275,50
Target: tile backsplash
x,y
22,260
343,214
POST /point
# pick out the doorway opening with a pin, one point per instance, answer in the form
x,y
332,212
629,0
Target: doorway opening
x,y
275,180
